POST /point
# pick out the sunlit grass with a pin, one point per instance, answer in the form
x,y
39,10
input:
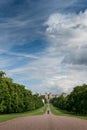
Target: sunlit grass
x,y
39,111
60,112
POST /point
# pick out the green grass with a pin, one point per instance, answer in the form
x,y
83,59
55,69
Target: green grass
x,y
60,112
39,111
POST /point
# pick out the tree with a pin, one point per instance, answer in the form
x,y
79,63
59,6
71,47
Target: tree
x,y
75,102
2,74
15,97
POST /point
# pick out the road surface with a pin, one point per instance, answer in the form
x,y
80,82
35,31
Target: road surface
x,y
45,122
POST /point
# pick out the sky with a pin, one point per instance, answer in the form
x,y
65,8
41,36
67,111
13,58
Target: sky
x,y
43,44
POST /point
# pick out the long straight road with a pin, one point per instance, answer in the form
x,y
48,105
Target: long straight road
x,y
45,122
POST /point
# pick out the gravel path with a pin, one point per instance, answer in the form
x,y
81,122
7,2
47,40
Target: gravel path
x,y
45,122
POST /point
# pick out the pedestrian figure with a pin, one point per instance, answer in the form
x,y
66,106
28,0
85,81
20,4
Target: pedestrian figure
x,y
48,111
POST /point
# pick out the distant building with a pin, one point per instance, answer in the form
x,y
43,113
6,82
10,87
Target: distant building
x,y
64,94
47,96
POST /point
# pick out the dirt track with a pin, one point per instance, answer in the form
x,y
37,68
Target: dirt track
x,y
45,122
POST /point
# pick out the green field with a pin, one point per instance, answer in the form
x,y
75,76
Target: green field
x,y
59,112
39,111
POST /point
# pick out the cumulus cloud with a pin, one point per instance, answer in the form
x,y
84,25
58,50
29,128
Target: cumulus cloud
x,y
68,33
62,64
78,57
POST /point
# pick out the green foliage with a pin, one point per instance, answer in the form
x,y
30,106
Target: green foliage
x,y
40,111
14,98
2,74
59,112
75,102
60,102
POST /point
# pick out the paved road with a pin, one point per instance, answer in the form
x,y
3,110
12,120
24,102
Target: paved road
x,y
45,122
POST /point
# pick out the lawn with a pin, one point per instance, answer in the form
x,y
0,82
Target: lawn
x,y
39,111
59,112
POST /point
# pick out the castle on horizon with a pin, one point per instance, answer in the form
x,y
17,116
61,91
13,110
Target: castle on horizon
x,y
48,96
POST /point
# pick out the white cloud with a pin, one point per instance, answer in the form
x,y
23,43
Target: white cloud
x,y
68,33
67,36
63,64
69,29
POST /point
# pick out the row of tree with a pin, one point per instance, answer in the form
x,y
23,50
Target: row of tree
x,y
75,102
15,98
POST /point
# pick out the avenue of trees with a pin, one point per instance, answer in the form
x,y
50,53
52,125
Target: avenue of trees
x,y
75,102
15,98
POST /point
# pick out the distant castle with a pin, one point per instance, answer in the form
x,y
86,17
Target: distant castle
x,y
48,96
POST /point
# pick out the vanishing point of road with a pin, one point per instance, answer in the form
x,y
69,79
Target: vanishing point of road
x,y
45,122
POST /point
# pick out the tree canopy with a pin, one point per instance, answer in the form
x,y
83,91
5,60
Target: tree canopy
x,y
15,98
75,102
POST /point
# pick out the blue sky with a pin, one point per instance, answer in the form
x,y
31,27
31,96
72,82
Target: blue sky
x,y
43,44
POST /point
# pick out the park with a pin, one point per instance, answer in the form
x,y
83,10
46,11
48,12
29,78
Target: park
x,y
27,111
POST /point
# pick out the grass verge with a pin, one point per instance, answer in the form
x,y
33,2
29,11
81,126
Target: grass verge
x,y
60,112
39,111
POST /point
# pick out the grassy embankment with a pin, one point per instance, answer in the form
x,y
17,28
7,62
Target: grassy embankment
x,y
39,111
59,112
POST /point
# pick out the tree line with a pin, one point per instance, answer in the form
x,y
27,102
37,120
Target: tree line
x,y
15,98
75,102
